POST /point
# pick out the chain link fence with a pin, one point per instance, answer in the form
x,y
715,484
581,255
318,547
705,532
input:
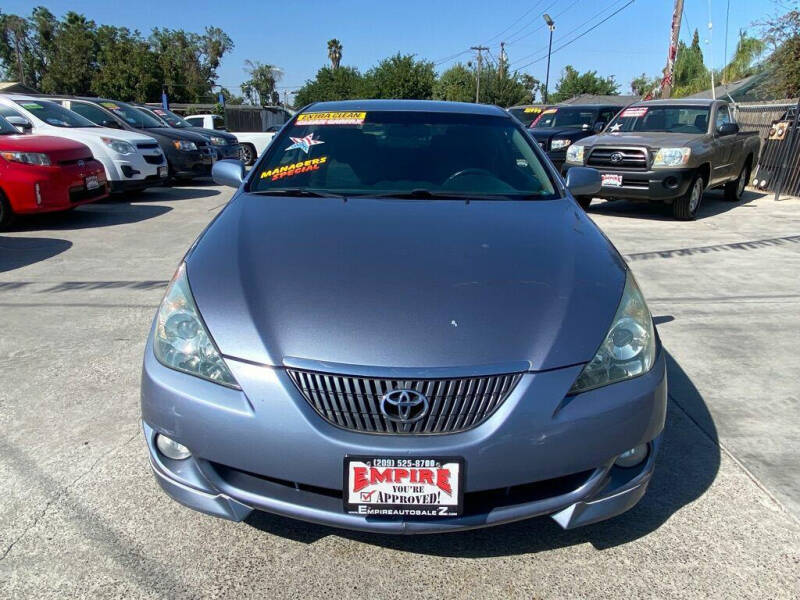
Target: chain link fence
x,y
778,168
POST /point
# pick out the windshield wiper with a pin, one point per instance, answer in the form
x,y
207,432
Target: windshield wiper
x,y
437,195
303,192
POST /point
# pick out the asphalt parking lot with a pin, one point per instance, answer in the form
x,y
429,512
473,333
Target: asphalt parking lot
x,y
81,515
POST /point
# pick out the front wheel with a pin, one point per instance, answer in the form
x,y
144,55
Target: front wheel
x,y
584,201
6,214
734,189
685,207
248,154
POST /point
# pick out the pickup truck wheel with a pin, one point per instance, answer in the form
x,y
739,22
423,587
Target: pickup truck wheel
x,y
734,189
248,154
685,207
584,201
6,214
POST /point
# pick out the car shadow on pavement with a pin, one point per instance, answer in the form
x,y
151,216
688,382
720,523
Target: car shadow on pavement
x,y
179,191
16,252
687,465
712,205
98,214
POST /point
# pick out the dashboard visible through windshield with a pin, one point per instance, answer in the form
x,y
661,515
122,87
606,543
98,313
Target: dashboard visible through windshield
x,y
395,153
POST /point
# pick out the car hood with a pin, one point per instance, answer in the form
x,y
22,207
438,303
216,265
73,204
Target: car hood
x,y
546,133
95,134
58,149
649,140
406,283
170,133
207,133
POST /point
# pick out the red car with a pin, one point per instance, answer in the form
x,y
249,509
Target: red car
x,y
44,174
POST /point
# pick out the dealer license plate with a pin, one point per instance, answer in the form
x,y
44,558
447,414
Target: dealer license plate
x,y
92,182
403,487
611,180
162,171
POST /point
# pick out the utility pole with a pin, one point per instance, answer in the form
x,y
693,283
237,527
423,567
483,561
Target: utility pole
x,y
503,63
552,26
666,82
479,50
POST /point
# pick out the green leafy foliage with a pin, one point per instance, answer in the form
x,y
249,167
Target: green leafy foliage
x,y
401,76
259,89
782,34
690,74
573,83
344,83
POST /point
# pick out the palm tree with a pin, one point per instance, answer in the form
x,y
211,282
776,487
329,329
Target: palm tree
x,y
335,52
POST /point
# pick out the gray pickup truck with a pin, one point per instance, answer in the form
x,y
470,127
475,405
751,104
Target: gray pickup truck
x,y
669,151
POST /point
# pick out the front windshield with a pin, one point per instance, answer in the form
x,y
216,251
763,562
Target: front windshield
x,y
403,153
54,114
665,119
7,128
131,115
567,117
171,118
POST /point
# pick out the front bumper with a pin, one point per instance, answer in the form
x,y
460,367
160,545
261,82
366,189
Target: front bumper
x,y
660,185
232,151
189,164
532,457
60,187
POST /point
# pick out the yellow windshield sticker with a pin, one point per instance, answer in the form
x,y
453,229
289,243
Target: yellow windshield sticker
x,y
331,118
533,109
550,111
110,105
304,166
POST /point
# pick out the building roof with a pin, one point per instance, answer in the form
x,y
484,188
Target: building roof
x,y
15,87
690,101
408,105
601,99
744,90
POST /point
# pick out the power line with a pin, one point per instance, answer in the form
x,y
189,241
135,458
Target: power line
x,y
515,37
525,14
440,61
575,39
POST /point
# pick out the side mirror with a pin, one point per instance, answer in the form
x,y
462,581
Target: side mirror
x,y
728,129
20,123
582,181
599,126
228,172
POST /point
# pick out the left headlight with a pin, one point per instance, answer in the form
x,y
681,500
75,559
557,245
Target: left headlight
x,y
629,348
558,144
575,154
181,340
28,158
218,141
119,146
184,145
672,157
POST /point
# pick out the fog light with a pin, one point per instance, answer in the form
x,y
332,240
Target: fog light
x,y
38,193
171,449
671,182
632,457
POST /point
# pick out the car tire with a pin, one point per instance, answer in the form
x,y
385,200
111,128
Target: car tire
x,y
685,207
584,201
734,189
6,214
248,154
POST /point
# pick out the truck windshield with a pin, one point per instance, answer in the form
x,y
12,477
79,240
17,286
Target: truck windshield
x,y
663,119
403,153
54,114
566,117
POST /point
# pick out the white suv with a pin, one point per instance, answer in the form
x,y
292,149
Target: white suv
x,y
132,160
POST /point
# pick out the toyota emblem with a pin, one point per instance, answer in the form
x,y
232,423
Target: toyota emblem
x,y
404,406
617,157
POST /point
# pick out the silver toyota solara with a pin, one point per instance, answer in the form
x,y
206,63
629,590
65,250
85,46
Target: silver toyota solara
x,y
403,322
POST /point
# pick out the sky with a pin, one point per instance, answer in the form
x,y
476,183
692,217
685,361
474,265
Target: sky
x,y
293,35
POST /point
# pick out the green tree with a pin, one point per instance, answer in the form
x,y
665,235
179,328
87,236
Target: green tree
x,y
782,34
644,85
573,83
743,63
335,53
690,74
259,89
401,76
344,83
532,86
71,60
126,67
456,84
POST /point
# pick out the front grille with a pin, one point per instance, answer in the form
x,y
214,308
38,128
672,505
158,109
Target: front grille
x,y
631,158
75,161
154,159
147,146
355,402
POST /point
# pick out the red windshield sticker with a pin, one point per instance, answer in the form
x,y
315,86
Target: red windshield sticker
x,y
304,166
634,112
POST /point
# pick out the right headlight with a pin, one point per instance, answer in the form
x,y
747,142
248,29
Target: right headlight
x,y
672,157
575,154
184,145
629,348
119,146
181,340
